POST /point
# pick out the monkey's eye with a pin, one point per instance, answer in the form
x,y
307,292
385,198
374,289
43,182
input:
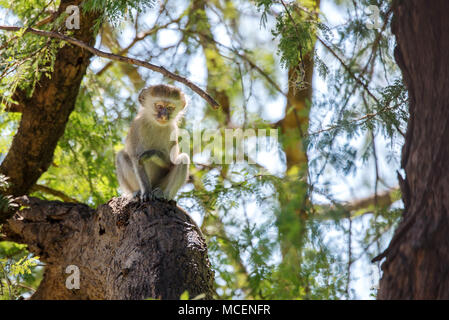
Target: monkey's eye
x,y
170,108
159,107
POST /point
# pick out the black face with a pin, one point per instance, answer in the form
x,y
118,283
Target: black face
x,y
164,111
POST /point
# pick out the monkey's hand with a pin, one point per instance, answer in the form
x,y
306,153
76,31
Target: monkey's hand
x,y
156,156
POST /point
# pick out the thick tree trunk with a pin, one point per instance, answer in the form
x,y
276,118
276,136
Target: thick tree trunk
x,y
417,260
124,250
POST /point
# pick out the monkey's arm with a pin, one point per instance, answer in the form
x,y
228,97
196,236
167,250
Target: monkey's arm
x,y
142,179
156,156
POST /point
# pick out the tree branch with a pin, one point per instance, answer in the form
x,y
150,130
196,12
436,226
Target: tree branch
x,y
50,18
159,69
53,192
362,206
139,37
382,200
123,250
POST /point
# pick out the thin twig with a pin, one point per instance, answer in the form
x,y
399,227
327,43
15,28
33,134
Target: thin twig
x,y
244,57
364,119
348,69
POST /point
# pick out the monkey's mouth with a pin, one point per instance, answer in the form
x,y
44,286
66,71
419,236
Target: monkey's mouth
x,y
162,121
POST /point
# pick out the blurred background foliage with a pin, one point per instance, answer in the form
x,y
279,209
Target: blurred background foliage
x,y
301,220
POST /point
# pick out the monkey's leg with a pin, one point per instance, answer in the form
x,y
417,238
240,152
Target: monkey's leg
x,y
125,173
176,177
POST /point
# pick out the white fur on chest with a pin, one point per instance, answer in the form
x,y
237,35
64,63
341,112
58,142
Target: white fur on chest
x,y
155,136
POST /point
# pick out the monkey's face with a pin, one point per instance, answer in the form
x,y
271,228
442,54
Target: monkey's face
x,y
163,104
164,111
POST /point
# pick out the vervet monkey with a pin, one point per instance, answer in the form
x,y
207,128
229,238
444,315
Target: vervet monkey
x,y
150,165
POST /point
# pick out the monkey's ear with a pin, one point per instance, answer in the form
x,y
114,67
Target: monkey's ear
x,y
142,95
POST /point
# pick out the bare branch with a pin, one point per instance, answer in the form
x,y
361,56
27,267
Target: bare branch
x,y
53,192
363,206
139,37
50,18
381,200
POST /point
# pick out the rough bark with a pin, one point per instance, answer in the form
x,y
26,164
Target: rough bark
x,y
124,249
417,260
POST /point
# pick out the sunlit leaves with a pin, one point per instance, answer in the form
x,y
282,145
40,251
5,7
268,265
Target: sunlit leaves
x,y
115,10
19,271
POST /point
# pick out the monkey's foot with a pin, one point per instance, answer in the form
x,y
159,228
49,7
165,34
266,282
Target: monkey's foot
x,y
136,196
158,194
155,194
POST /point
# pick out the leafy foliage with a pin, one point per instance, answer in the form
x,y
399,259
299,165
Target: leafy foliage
x,y
19,271
282,235
114,10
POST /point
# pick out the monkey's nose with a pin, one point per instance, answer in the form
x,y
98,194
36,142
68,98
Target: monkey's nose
x,y
163,115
